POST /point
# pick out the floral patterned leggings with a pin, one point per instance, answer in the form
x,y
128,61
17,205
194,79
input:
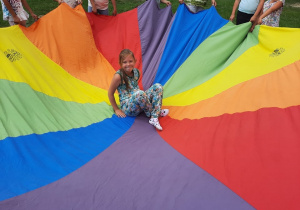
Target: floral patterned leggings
x,y
148,101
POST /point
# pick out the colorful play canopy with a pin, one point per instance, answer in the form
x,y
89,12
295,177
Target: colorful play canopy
x,y
231,140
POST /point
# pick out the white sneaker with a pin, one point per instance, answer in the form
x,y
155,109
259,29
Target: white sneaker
x,y
155,123
164,112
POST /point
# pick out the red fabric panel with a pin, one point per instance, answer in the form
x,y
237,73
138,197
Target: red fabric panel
x,y
255,154
115,33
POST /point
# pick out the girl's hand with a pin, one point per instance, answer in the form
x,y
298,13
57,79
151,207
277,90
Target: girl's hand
x,y
17,20
214,3
35,17
95,10
114,13
120,113
168,3
259,21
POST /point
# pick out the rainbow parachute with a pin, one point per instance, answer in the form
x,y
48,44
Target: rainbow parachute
x,y
231,140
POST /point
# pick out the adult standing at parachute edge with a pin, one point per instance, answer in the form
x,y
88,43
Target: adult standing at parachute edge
x,y
101,7
248,10
196,5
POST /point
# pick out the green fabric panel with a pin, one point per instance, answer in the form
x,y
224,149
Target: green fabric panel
x,y
25,111
216,53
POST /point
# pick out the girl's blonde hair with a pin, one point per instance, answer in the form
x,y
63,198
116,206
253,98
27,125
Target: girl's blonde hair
x,y
123,54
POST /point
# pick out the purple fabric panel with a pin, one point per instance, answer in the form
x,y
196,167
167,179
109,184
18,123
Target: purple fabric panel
x,y
139,171
154,24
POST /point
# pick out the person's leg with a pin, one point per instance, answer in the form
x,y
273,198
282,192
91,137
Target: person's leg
x,y
155,95
136,104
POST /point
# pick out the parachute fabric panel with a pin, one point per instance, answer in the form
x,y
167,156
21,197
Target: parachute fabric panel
x,y
64,43
122,31
154,27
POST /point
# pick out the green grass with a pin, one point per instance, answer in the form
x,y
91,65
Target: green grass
x,y
289,18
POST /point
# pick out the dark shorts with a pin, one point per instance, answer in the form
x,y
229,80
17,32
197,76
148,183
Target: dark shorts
x,y
242,17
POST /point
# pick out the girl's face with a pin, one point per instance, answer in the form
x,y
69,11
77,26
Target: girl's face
x,y
128,63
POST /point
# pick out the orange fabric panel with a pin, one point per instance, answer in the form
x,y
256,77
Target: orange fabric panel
x,y
282,91
65,36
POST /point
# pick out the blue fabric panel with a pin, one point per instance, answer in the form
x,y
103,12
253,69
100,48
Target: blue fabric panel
x,y
188,31
30,162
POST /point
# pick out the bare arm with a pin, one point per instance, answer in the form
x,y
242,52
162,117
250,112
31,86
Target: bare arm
x,y
234,8
115,7
94,9
257,12
168,3
24,2
11,11
112,89
275,7
214,3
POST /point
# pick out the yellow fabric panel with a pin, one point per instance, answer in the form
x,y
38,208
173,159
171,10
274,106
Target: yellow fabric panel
x,y
277,89
278,47
23,62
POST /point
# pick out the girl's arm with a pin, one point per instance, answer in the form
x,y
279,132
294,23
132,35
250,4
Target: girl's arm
x,y
94,9
235,6
112,89
257,12
12,12
24,2
165,2
115,7
275,7
214,3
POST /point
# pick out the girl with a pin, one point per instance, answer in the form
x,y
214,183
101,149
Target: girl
x,y
133,100
271,13
15,13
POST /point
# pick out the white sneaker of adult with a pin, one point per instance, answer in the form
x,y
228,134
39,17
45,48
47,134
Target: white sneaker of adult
x,y
155,123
